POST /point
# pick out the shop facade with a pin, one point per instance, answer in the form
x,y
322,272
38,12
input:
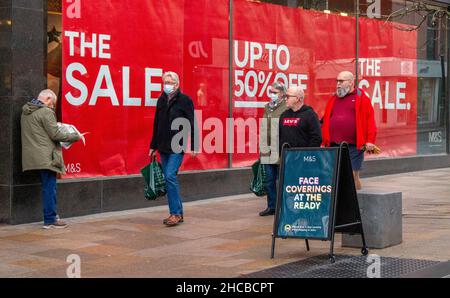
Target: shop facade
x,y
105,60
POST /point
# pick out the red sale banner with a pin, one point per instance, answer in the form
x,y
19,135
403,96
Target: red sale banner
x,y
290,45
115,52
114,55
309,48
388,73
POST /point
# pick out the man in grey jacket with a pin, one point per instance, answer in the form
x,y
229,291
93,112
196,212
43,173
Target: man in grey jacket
x,y
41,149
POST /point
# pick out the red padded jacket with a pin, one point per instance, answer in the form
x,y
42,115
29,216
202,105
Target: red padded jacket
x,y
366,129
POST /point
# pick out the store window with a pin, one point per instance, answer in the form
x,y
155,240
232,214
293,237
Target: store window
x,y
107,70
409,51
292,42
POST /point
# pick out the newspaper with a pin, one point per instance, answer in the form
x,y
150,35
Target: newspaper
x,y
69,128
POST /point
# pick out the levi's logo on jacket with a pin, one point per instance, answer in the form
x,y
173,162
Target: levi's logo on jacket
x,y
290,121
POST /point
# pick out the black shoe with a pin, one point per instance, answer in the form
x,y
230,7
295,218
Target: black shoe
x,y
267,212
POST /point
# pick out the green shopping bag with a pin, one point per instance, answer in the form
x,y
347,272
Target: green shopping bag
x,y
259,177
155,185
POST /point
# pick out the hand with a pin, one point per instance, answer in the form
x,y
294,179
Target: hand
x,y
370,147
151,152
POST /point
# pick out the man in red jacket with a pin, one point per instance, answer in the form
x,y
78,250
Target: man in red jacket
x,y
349,117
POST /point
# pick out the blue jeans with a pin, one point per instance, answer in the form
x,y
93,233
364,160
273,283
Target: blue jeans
x,y
170,165
271,185
48,180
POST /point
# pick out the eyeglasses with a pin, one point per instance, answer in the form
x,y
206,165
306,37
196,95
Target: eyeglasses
x,y
288,95
341,81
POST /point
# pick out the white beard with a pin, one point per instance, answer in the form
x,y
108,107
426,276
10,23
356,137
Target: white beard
x,y
341,92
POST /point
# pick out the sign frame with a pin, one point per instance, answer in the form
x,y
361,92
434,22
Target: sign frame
x,y
341,220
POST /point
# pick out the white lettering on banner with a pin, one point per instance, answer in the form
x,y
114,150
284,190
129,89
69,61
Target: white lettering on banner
x,y
372,68
71,68
280,50
435,137
97,43
127,100
251,83
73,168
71,35
400,96
152,87
254,83
271,48
98,47
377,98
102,46
104,75
86,44
254,51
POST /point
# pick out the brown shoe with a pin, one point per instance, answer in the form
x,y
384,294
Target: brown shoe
x,y
166,219
58,224
173,220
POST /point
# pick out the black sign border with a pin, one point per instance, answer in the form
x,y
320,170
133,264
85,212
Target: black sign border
x,y
280,193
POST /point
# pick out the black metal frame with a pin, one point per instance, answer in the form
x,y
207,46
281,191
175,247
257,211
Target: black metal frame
x,y
332,228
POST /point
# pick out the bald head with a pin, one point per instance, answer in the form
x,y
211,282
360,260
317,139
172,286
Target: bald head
x,y
48,97
345,83
346,75
297,91
295,97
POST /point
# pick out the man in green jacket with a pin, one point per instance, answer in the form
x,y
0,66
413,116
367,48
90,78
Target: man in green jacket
x,y
41,149
268,143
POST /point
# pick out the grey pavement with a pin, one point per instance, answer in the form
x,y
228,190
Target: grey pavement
x,y
221,237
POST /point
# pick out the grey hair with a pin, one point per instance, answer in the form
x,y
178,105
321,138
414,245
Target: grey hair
x,y
280,87
47,93
173,75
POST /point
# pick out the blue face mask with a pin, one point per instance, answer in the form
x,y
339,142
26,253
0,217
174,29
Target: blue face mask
x,y
273,97
168,88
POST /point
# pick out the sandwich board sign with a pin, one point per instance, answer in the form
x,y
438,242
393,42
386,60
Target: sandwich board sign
x,y
316,196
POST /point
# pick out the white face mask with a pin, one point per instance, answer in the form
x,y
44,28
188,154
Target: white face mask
x,y
273,97
168,88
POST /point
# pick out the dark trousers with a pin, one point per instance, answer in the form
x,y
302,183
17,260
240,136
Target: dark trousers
x,y
271,184
48,180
